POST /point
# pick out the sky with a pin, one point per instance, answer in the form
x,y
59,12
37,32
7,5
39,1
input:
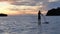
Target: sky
x,y
16,7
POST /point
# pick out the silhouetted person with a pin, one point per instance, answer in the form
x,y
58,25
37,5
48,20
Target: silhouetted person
x,y
39,15
39,18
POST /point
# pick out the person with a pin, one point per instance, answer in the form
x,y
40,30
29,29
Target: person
x,y
39,17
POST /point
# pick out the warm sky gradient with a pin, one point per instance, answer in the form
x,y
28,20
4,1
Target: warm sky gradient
x,y
15,7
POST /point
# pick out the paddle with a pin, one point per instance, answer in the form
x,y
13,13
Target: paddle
x,y
45,21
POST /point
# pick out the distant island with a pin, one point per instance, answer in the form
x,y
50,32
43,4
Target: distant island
x,y
53,12
2,15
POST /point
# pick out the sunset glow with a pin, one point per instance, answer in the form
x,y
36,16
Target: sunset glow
x,y
7,8
4,8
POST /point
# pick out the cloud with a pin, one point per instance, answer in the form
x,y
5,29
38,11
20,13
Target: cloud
x,y
53,0
3,0
27,2
24,2
18,8
42,4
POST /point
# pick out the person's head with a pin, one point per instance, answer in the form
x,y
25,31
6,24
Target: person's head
x,y
39,12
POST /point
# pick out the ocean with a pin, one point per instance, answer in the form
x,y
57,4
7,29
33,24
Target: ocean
x,y
28,24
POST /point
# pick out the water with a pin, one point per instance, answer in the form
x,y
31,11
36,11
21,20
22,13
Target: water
x,y
27,24
53,27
